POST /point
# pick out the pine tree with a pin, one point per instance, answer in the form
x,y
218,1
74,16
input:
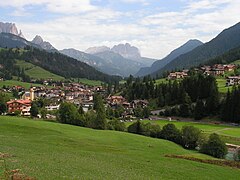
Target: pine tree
x,y
100,121
199,110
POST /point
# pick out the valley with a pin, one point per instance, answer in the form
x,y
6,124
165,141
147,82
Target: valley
x,y
119,90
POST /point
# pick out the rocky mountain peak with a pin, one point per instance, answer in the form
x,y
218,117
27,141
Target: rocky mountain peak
x,y
95,50
127,51
10,28
43,44
37,40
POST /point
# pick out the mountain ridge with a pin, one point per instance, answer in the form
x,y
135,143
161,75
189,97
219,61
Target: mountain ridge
x,y
186,47
106,61
228,39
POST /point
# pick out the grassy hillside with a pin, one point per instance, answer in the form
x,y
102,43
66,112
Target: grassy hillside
x,y
88,81
37,72
222,88
18,83
236,62
55,151
229,134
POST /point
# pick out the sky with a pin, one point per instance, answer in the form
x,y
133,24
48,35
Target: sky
x,y
156,27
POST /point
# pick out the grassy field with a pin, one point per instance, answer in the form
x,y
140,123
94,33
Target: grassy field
x,y
37,72
222,88
228,133
236,62
88,81
18,83
160,81
48,150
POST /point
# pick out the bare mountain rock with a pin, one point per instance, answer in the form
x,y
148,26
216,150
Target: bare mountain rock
x,y
95,50
10,28
43,44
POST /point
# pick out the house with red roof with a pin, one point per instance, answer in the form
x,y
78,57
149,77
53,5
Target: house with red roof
x,y
20,105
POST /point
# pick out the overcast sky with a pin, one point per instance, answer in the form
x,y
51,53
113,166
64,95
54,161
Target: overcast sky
x,y
156,27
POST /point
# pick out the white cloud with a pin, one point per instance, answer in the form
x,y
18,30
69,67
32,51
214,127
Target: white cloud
x,y
155,34
59,6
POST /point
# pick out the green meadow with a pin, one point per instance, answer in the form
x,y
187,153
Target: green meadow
x,y
37,72
47,150
18,83
88,82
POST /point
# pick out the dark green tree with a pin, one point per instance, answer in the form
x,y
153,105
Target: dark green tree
x,y
190,136
214,147
68,114
34,110
171,133
199,110
100,121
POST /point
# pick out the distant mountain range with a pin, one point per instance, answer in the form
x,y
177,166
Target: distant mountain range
x,y
106,61
125,50
12,41
188,46
11,38
122,59
228,39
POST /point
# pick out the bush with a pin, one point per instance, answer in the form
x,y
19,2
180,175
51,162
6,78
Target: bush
x,y
68,114
171,133
148,129
135,128
116,125
190,136
214,147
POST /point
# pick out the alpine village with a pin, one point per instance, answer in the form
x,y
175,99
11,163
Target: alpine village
x,y
110,113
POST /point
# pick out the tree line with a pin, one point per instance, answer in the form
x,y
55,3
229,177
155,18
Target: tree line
x,y
188,137
196,95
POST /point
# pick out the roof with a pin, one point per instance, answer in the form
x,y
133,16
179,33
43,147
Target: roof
x,y
20,101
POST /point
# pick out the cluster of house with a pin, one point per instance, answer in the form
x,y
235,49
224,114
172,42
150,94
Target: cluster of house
x,y
217,69
178,75
76,93
116,101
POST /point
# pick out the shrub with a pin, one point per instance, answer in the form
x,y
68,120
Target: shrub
x,y
214,147
116,125
68,114
135,128
190,136
171,133
144,129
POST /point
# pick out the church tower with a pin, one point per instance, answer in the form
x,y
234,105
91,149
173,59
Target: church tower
x,y
31,94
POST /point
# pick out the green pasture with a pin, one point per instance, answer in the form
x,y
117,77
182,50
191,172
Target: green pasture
x,y
37,72
47,150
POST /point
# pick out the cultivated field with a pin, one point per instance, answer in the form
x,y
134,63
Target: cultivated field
x,y
47,150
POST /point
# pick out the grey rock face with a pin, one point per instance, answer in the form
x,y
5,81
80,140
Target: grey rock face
x,y
95,50
127,51
10,28
43,44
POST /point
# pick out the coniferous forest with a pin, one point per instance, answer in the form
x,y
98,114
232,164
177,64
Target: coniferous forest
x,y
54,62
196,96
